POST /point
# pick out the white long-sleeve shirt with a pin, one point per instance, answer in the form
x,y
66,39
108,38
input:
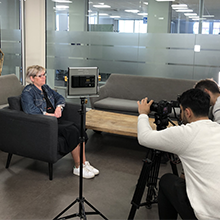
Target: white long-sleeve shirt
x,y
198,146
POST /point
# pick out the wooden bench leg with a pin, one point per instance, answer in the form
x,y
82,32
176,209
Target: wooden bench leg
x,y
50,166
8,160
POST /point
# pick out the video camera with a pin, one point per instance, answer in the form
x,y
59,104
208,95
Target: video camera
x,y
162,111
163,107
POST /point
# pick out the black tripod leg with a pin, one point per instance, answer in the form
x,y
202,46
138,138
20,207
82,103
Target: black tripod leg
x,y
68,207
96,210
152,180
174,168
136,201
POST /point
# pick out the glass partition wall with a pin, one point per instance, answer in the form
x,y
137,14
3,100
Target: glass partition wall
x,y
10,37
148,38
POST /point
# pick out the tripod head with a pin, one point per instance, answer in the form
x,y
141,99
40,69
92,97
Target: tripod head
x,y
161,121
162,111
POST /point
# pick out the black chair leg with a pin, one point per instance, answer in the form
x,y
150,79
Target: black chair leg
x,y
50,166
8,160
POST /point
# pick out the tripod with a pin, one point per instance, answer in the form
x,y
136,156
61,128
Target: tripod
x,y
149,174
81,200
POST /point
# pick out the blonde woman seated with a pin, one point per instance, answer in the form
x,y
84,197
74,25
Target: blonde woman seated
x,y
39,98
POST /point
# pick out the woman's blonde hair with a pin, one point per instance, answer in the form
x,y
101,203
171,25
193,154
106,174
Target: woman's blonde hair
x,y
33,71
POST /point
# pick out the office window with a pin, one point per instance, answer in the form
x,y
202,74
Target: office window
x,y
216,28
91,20
126,26
140,27
62,21
205,28
132,26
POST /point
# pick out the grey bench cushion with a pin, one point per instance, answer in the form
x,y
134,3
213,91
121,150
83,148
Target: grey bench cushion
x,y
115,104
124,106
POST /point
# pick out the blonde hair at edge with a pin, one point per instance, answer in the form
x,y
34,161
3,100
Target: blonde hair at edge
x,y
33,71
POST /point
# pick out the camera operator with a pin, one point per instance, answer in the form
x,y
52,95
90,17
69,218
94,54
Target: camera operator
x,y
211,87
197,145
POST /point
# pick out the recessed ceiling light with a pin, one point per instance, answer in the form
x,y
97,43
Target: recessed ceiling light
x,y
61,1
208,16
194,17
179,6
61,7
190,14
146,3
101,6
165,0
198,19
103,14
132,11
115,16
184,10
143,14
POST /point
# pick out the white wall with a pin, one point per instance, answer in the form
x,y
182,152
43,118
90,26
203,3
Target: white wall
x,y
35,32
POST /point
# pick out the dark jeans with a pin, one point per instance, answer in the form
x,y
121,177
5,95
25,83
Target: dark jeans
x,y
172,198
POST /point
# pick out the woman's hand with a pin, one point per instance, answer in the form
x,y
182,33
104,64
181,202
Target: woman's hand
x,y
58,112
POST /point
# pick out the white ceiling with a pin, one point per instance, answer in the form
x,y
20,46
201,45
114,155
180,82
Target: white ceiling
x,y
211,7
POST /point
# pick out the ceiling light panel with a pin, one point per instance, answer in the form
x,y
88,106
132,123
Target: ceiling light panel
x,y
143,14
61,7
165,0
61,1
190,14
114,16
103,14
132,11
101,6
208,16
179,6
184,10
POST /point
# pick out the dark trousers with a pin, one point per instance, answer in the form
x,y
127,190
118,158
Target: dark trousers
x,y
172,198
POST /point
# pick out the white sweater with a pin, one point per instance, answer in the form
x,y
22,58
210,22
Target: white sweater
x,y
198,146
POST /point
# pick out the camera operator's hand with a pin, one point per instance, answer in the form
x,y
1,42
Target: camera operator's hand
x,y
144,106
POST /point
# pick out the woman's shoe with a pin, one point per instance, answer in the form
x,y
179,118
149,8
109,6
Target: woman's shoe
x,y
86,173
91,168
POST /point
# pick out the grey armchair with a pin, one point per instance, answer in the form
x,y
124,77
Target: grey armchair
x,y
33,136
